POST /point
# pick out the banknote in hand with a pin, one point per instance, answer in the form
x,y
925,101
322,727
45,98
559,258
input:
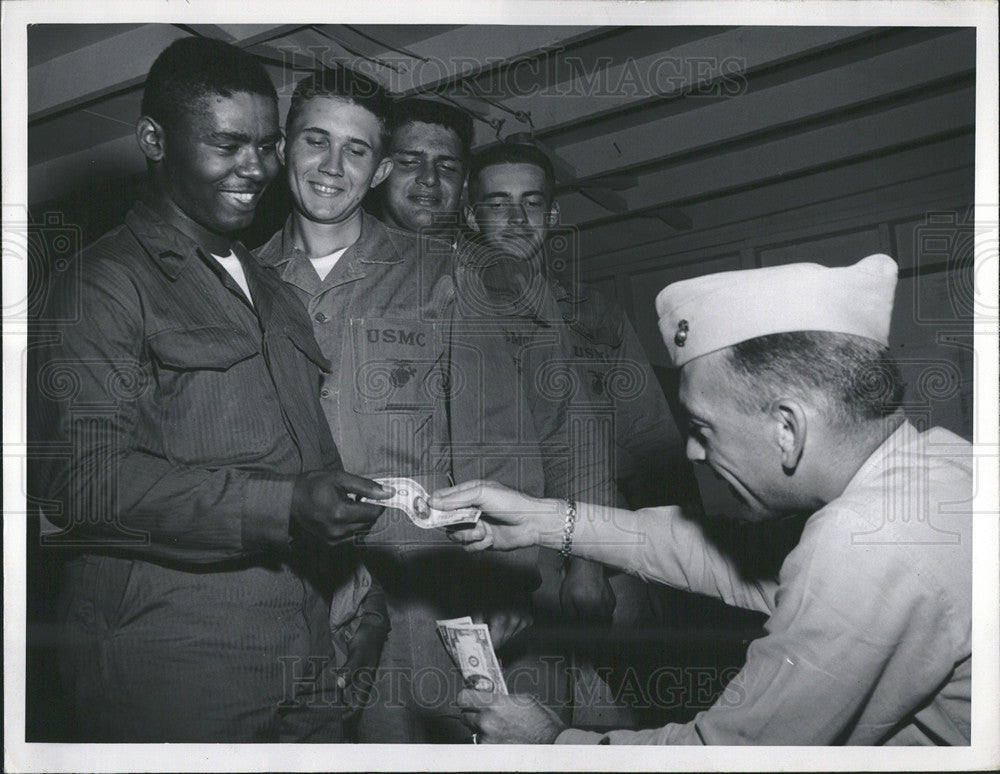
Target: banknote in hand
x,y
411,498
471,648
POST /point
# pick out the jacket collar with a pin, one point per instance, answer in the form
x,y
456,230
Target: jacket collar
x,y
563,295
170,249
904,438
374,246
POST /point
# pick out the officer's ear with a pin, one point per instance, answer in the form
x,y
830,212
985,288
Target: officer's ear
x,y
552,218
470,217
280,147
790,428
151,138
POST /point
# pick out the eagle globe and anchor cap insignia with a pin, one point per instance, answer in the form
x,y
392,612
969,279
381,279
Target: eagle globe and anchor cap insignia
x,y
682,333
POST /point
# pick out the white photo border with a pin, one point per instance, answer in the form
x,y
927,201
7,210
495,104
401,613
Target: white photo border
x,y
984,752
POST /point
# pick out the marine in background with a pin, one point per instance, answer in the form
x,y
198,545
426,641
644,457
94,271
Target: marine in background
x,y
512,210
381,301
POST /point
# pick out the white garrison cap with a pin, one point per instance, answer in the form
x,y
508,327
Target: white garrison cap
x,y
704,314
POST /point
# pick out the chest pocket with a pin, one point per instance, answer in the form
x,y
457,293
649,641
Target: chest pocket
x,y
216,402
398,364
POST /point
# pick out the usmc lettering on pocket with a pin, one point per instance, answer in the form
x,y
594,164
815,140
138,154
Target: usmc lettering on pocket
x,y
398,364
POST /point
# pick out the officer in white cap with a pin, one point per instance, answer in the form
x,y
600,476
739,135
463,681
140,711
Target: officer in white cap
x,y
792,399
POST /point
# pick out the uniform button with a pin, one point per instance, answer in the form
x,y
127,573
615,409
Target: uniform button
x,y
320,317
324,393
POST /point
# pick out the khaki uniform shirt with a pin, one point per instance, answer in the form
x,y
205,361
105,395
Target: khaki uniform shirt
x,y
869,636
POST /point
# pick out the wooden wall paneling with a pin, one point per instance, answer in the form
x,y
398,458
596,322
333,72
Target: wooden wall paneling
x,y
607,287
657,256
939,192
885,241
648,283
930,338
118,158
939,235
469,50
836,249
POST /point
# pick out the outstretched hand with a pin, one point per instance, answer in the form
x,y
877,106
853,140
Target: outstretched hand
x,y
510,519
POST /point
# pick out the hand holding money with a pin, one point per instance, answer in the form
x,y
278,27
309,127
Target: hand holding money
x,y
411,498
471,648
516,719
325,505
511,520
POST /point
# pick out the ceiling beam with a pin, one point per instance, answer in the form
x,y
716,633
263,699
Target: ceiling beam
x,y
96,71
120,63
789,155
828,92
472,50
721,59
444,59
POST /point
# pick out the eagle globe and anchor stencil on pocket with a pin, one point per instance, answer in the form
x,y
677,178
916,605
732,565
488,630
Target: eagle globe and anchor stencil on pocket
x,y
399,365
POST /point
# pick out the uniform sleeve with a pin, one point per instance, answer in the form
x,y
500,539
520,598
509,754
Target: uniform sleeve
x,y
90,380
857,643
667,545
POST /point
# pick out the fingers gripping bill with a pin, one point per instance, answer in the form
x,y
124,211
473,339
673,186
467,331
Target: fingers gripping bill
x,y
471,648
411,498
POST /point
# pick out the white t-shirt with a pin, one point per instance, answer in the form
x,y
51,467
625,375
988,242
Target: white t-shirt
x,y
324,263
232,265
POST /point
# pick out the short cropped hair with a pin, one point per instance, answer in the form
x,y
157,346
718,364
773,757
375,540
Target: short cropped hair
x,y
347,85
855,377
511,153
428,111
190,70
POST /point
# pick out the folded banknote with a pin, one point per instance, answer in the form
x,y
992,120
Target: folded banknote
x,y
411,498
471,648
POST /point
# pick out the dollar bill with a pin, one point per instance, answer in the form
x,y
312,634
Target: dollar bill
x,y
471,648
411,498
455,623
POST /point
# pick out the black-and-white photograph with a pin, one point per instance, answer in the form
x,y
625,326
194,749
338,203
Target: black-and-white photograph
x,y
600,378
